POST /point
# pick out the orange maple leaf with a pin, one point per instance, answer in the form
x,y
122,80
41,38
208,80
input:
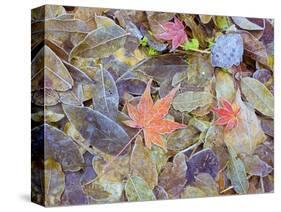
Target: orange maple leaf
x,y
228,114
150,117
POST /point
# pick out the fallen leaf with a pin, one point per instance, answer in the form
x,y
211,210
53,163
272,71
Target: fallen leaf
x,y
100,42
104,191
173,176
203,186
105,94
204,161
248,133
254,48
49,72
182,139
255,166
246,24
98,130
150,117
258,96
228,114
53,182
190,100
174,31
136,189
142,165
224,86
237,173
74,194
58,146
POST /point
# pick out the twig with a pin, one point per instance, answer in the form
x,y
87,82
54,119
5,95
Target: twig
x,y
227,189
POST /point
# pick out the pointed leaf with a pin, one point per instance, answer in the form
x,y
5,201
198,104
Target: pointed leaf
x,y
99,131
237,173
100,42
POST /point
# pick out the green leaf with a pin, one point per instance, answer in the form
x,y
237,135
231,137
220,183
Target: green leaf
x,y
137,190
190,100
237,173
143,41
191,44
258,96
222,22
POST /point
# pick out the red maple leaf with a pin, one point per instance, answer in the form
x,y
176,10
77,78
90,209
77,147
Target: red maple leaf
x,y
174,31
150,117
228,114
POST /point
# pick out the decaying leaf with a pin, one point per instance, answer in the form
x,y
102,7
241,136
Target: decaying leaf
x,y
100,42
53,182
49,72
248,133
98,130
237,173
204,161
137,190
224,86
258,96
190,100
58,146
173,176
203,186
255,166
105,94
142,164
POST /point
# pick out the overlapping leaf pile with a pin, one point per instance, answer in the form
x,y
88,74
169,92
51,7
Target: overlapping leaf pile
x,y
124,108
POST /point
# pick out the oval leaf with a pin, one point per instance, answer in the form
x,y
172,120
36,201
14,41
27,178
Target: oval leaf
x,y
99,131
137,190
258,96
